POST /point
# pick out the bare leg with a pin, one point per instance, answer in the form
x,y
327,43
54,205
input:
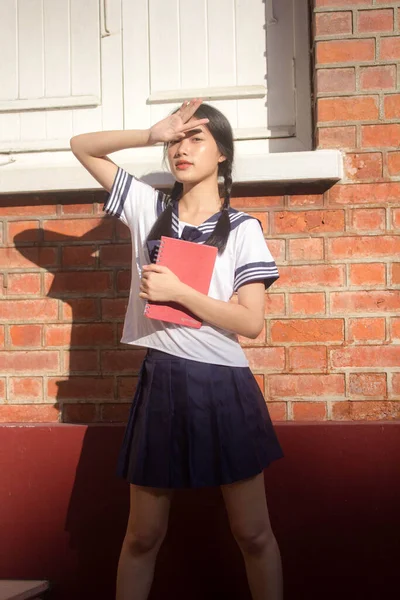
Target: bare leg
x,y
147,526
247,509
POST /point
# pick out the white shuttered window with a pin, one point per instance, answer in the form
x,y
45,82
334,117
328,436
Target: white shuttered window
x,y
84,65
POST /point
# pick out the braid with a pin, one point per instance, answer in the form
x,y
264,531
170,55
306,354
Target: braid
x,y
219,236
227,184
163,225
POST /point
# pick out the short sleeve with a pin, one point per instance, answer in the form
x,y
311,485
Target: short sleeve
x,y
254,261
131,198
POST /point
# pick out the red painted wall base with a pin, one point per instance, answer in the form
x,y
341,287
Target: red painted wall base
x,y
334,503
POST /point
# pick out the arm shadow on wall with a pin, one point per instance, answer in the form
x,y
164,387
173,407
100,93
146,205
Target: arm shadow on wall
x,y
89,274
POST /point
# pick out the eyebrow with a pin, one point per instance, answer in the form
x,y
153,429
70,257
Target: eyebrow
x,y
193,131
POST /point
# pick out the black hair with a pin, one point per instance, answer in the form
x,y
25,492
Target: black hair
x,y
221,130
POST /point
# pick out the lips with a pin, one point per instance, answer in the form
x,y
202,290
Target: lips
x,y
182,165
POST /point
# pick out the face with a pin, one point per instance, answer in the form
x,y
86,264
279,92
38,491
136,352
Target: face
x,y
195,157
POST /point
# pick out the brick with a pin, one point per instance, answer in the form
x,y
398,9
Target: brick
x,y
23,283
336,137
368,219
124,281
365,193
277,411
302,276
12,208
305,385
121,361
249,202
277,249
115,413
23,231
366,330
339,3
364,165
306,200
378,78
87,230
380,136
80,309
367,274
367,384
335,80
26,389
25,257
116,255
263,217
307,357
353,108
396,384
93,334
79,413
26,335
396,218
266,358
371,21
345,51
307,330
364,246
395,273
40,309
63,283
372,301
390,48
366,356
126,387
313,221
393,160
307,303
365,411
78,256
309,411
274,304
392,106
332,23
31,413
114,308
77,209
306,249
29,362
122,232
80,361
395,328
81,388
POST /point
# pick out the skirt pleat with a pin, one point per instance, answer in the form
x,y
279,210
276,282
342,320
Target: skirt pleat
x,y
194,424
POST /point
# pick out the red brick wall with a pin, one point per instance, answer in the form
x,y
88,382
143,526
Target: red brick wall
x,y
330,348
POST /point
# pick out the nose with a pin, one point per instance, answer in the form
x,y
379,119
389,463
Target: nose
x,y
181,147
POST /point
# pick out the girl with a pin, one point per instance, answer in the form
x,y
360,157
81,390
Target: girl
x,y
198,417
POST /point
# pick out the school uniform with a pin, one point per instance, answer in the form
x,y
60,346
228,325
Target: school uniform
x,y
198,417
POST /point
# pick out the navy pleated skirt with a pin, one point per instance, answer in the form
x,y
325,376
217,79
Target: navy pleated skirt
x,y
195,424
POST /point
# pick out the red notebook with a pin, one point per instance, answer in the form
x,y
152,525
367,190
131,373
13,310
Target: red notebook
x,y
193,264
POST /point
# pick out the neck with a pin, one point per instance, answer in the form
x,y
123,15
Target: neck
x,y
201,197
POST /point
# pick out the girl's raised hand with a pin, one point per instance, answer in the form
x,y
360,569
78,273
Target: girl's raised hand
x,y
175,126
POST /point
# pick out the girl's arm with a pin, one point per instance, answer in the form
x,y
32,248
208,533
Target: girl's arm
x,y
246,317
91,149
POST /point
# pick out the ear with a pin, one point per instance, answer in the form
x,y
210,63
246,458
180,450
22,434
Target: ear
x,y
222,159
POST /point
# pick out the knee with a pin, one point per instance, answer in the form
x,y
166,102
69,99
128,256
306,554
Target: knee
x,y
253,540
139,541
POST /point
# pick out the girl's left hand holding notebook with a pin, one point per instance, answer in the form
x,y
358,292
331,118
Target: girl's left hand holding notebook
x,y
160,284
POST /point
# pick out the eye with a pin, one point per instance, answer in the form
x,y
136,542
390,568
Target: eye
x,y
198,139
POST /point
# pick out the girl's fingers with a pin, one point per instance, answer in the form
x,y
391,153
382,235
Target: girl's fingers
x,y
188,108
194,124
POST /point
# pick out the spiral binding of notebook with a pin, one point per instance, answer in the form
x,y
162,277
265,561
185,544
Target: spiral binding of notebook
x,y
157,257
